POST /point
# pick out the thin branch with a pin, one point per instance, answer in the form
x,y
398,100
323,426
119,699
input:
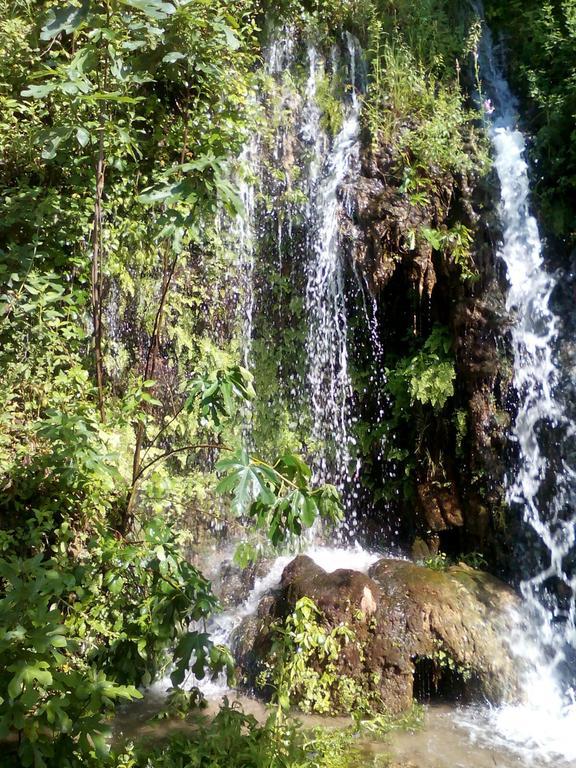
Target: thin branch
x,y
161,431
97,249
152,357
197,447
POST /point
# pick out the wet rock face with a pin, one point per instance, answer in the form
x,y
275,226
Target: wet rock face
x,y
338,594
386,222
461,612
401,614
457,476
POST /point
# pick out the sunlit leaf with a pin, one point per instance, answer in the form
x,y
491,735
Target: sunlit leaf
x,y
66,19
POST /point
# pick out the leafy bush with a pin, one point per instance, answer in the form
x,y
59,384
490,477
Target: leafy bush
x,y
52,697
426,377
301,666
414,100
411,108
234,739
278,496
456,243
101,610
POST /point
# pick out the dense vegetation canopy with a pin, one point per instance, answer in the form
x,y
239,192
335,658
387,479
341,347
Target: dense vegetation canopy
x,y
122,399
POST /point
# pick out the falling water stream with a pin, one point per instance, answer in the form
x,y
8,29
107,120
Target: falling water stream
x,y
542,485
316,260
327,341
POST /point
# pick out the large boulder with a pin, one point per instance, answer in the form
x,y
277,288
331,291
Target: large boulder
x,y
406,620
459,618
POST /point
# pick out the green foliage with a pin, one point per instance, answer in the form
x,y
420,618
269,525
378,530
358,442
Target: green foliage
x,y
245,554
302,669
135,602
279,360
218,393
110,84
441,561
51,696
473,559
380,725
414,99
426,377
461,429
421,386
329,97
324,20
233,739
101,611
437,562
179,703
70,479
236,740
456,243
277,496
444,661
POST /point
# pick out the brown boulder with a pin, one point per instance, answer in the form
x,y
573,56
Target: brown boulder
x,y
401,615
462,612
338,594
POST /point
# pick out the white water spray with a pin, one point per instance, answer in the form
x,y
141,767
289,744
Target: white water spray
x,y
244,235
543,486
327,342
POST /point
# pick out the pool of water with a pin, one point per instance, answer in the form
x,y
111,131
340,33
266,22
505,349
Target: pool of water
x,y
451,737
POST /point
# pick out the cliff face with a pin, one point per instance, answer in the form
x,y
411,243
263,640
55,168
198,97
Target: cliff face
x,y
447,458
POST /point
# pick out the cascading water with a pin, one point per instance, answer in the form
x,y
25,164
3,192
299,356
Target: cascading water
x,y
243,231
543,485
327,341
311,202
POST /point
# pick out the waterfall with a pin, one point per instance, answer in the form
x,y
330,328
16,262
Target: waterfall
x,y
329,382
293,209
542,487
243,232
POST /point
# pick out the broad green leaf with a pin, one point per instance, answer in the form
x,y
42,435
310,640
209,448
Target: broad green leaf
x,y
183,190
58,641
66,19
191,643
155,9
82,136
39,91
309,511
15,686
173,56
100,744
247,480
295,468
228,195
231,39
433,237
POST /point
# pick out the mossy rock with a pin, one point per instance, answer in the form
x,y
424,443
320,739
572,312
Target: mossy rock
x,y
462,614
401,615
